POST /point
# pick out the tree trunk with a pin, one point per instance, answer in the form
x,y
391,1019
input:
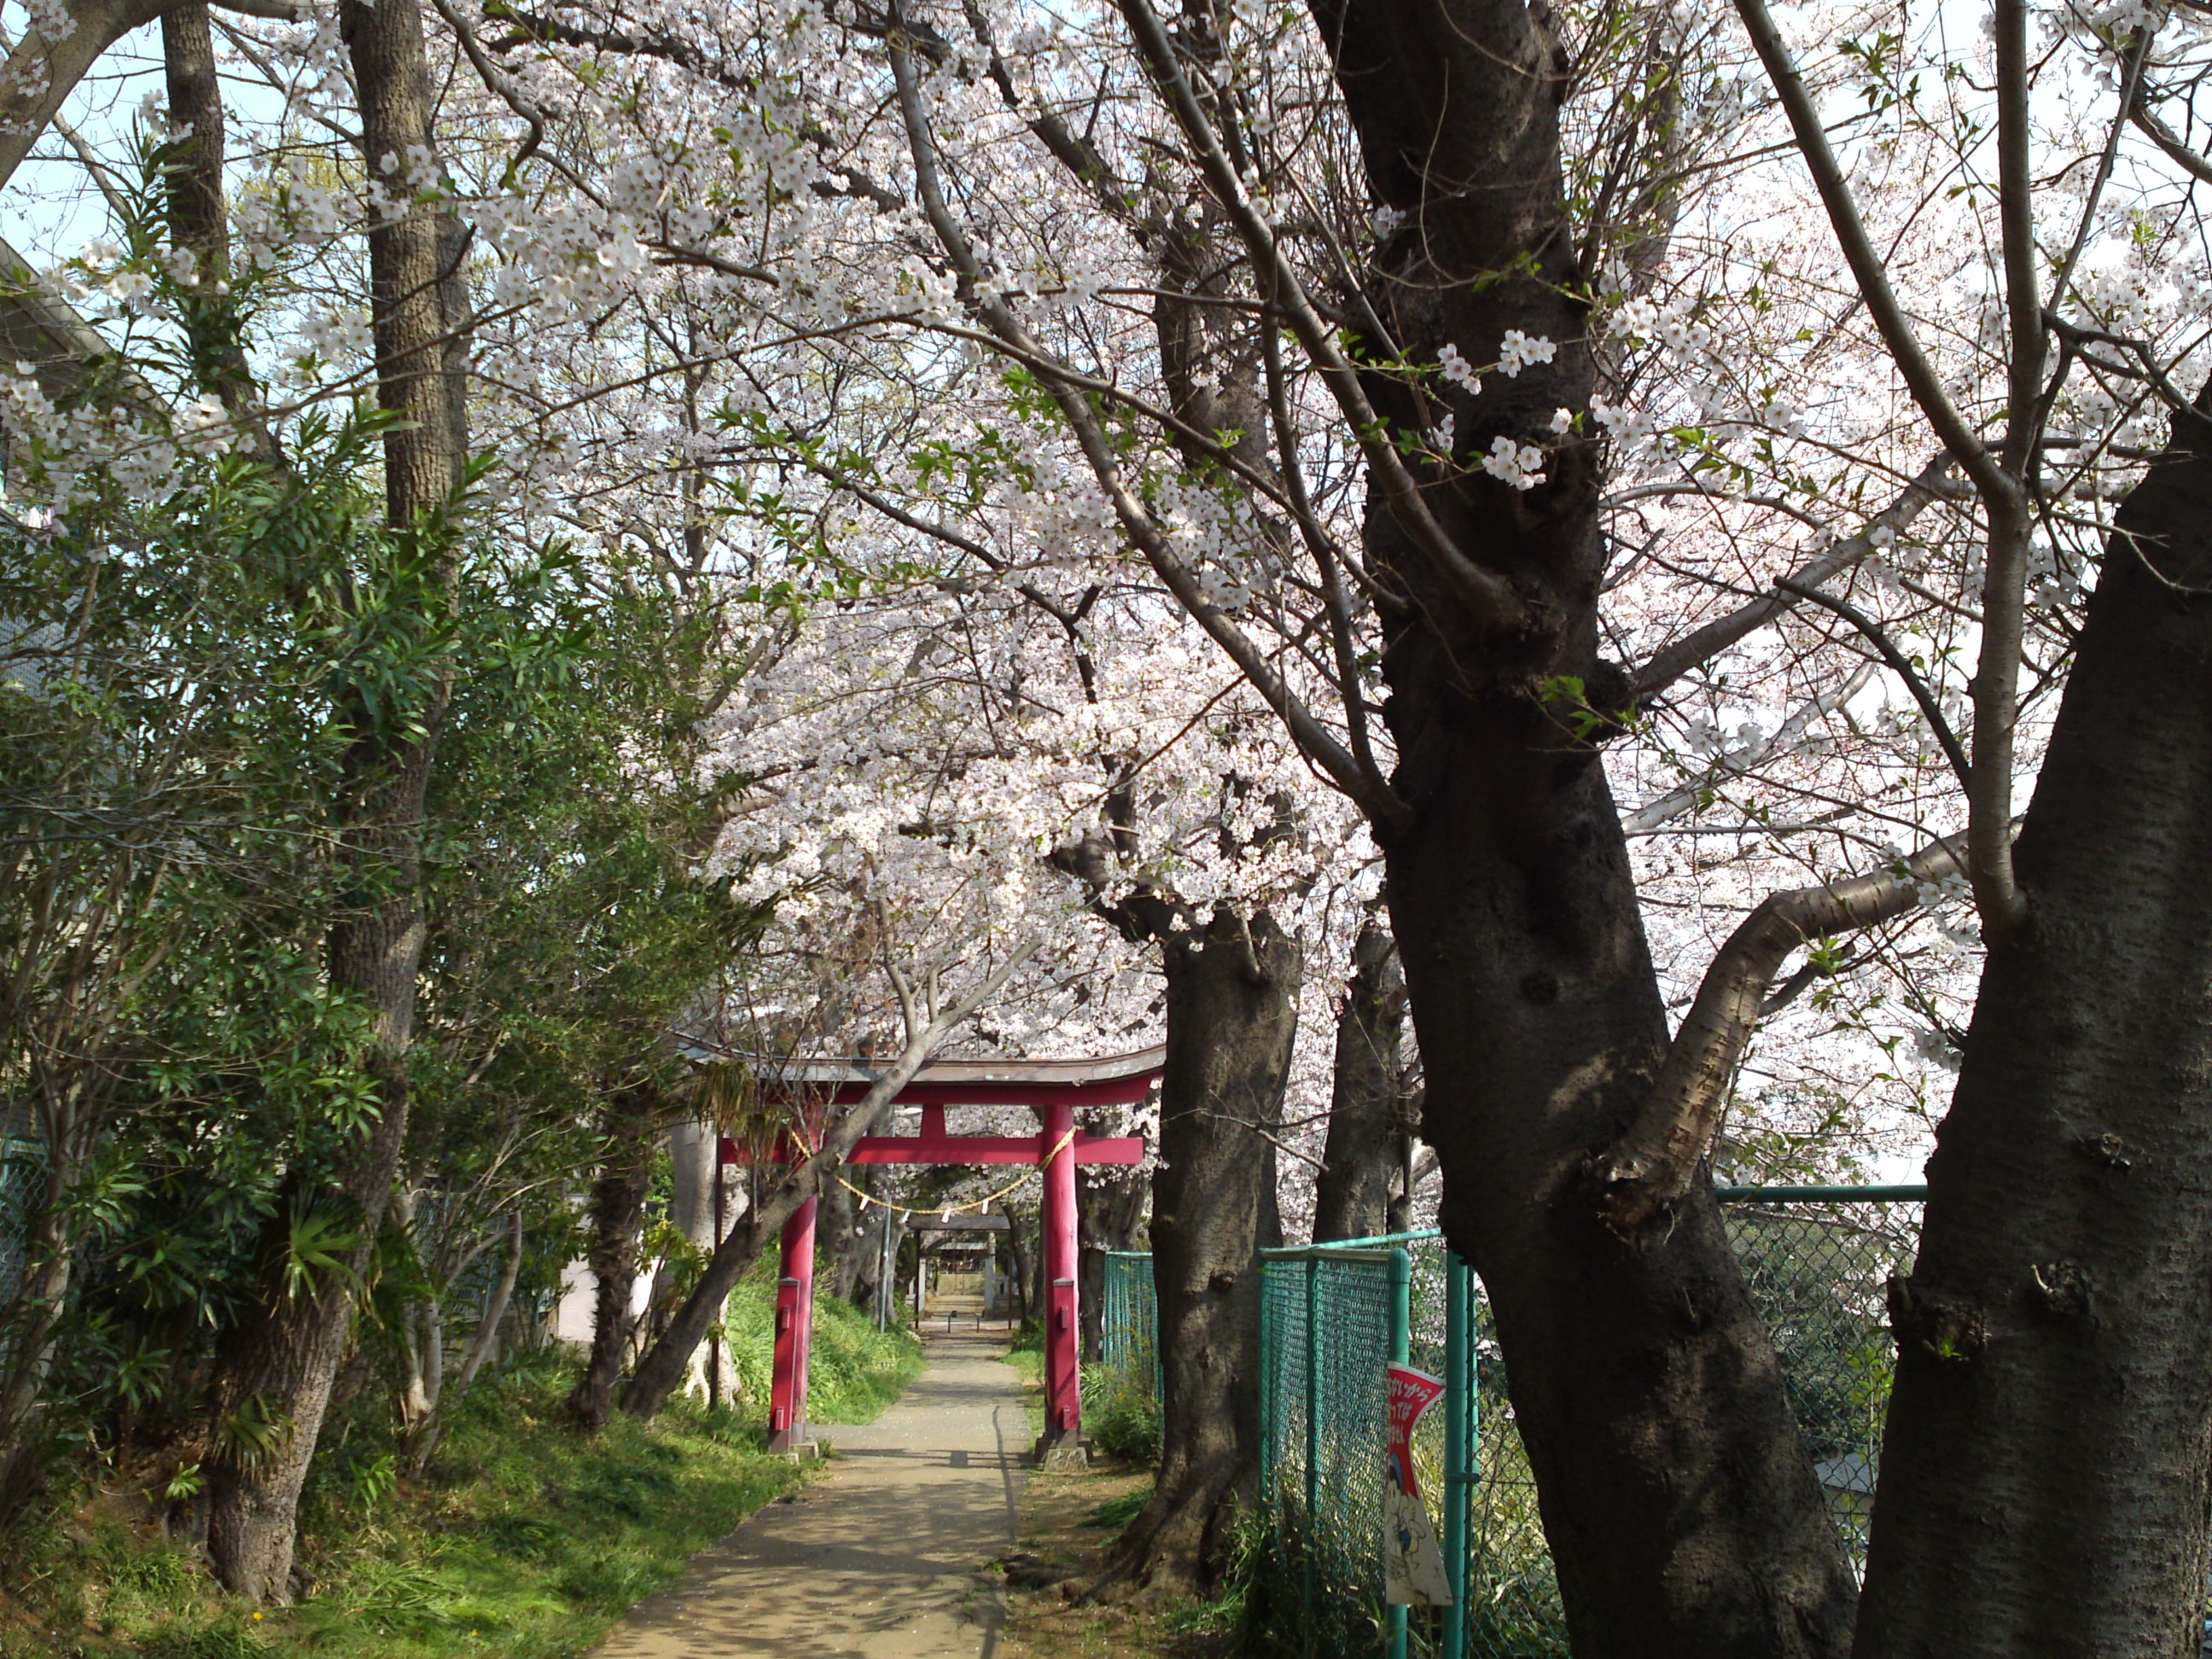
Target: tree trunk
x,y
868,1282
1366,1143
693,1149
617,1221
192,183
1023,1259
1232,1018
280,1358
422,1445
844,1242
2043,1476
661,1369
193,196
1682,1513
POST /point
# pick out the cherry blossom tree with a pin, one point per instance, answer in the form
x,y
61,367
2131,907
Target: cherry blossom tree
x,y
1199,452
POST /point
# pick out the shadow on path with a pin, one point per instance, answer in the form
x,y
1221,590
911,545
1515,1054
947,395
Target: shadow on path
x,y
877,1558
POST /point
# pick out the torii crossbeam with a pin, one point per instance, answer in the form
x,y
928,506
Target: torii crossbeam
x,y
1054,1090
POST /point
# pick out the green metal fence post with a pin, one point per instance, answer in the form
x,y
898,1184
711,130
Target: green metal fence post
x,y
1270,1344
1311,1520
1460,1407
1402,1353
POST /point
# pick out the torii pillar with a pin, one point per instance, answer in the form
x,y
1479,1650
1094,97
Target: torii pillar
x,y
794,1334
1054,1089
1063,1357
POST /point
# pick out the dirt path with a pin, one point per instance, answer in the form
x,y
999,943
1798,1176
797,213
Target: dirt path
x,y
877,1558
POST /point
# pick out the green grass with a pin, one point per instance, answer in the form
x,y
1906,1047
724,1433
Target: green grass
x,y
1122,1415
1115,1513
1026,1352
853,1370
526,1540
1026,1356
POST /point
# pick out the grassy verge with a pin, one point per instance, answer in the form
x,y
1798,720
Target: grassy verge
x,y
526,1540
852,1370
1026,1356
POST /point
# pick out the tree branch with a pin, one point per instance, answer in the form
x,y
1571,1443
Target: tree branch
x,y
1866,262
1489,598
1701,646
1653,1162
1313,739
1678,800
1876,636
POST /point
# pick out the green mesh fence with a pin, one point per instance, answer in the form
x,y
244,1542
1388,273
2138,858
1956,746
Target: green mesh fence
x,y
1819,1267
1325,1336
1816,1260
1129,1323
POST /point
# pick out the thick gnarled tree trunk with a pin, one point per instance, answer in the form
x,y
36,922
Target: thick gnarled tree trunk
x,y
1366,1142
2045,1473
1682,1512
279,1361
1231,1016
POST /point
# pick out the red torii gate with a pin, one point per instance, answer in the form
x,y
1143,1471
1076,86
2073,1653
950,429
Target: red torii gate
x,y
1054,1089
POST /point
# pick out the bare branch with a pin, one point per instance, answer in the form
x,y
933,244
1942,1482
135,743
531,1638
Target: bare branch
x,y
1487,595
1681,799
2169,141
1314,739
1866,262
501,85
1653,1164
1879,638
1700,648
41,74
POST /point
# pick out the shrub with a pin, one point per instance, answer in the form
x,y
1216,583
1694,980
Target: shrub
x,y
1121,1416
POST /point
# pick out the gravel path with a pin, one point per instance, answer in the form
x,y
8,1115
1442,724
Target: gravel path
x,y
877,1558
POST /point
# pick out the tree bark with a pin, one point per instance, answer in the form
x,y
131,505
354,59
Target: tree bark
x,y
693,1149
1366,1142
1024,1261
1682,1513
1232,1018
842,1246
279,1360
633,1124
2043,1481
193,181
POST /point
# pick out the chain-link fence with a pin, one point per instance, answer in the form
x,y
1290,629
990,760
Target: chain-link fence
x,y
1816,1259
1129,1323
1328,1319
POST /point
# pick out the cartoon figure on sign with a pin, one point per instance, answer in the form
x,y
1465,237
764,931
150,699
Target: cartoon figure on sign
x,y
1413,1566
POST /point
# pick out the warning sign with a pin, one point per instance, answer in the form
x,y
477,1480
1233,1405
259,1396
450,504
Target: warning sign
x,y
1412,1563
